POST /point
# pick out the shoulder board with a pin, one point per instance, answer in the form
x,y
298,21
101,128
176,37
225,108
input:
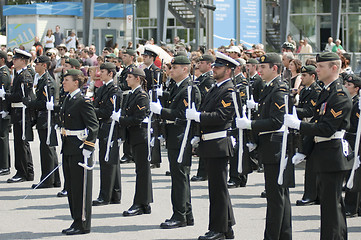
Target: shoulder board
x,y
230,89
283,89
318,90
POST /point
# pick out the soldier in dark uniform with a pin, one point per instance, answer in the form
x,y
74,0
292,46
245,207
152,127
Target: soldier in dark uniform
x,y
153,75
110,178
44,93
22,80
353,85
132,120
204,83
215,117
5,82
70,63
255,81
128,57
305,109
331,118
271,108
79,133
173,112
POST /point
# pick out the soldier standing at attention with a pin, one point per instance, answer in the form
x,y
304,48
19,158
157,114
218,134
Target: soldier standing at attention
x,y
215,117
135,111
79,133
45,90
331,119
110,178
204,83
173,112
271,109
5,82
22,80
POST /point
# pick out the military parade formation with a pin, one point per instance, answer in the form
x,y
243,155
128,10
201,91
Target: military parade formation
x,y
237,111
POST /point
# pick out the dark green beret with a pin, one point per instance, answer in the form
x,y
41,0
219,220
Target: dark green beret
x,y
107,65
270,58
252,61
130,52
111,55
327,56
352,78
42,59
3,55
73,62
181,60
207,58
137,72
73,72
308,69
180,53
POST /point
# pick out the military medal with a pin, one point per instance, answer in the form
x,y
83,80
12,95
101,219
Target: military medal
x,y
323,109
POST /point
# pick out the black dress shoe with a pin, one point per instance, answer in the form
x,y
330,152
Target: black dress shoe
x,y
74,231
305,202
134,210
62,193
125,159
16,179
65,230
229,234
211,235
41,186
190,221
99,202
155,165
115,202
4,171
232,184
147,209
351,215
30,177
167,173
264,194
172,223
198,179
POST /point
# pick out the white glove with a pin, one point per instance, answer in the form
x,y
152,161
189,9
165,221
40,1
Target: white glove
x,y
359,106
292,121
87,153
195,141
243,123
251,104
152,142
233,141
251,146
156,107
298,158
160,91
193,114
116,115
50,105
2,92
4,114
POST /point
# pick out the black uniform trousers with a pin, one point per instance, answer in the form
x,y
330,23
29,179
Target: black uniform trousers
x,y
74,180
332,205
181,192
220,211
156,152
278,216
48,160
23,158
143,186
310,187
235,176
110,177
4,143
202,171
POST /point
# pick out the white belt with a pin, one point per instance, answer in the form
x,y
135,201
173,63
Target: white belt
x,y
214,135
169,122
282,129
17,105
126,92
81,134
336,135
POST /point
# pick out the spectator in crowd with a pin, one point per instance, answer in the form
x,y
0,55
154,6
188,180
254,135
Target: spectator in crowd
x,y
306,48
9,63
49,40
329,45
337,47
71,41
92,55
53,61
38,47
290,40
116,49
59,36
85,57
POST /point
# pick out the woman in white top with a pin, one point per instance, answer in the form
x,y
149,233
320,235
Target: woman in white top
x,y
49,40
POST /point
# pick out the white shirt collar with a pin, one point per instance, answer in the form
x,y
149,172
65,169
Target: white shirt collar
x,y
220,83
179,83
74,92
267,84
132,91
325,87
107,83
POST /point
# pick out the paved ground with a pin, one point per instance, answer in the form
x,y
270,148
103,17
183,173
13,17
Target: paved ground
x,y
42,215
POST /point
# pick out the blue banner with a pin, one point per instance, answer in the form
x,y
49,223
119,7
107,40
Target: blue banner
x,y
224,22
251,22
